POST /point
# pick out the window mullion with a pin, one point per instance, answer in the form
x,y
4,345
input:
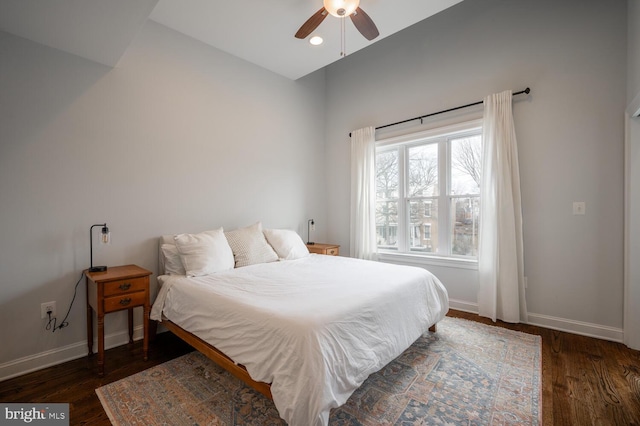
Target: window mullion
x,y
444,247
403,211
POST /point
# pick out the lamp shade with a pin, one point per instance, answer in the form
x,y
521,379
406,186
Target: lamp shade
x,y
105,238
105,235
341,8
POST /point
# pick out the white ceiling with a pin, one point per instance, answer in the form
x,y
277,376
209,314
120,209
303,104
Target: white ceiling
x,y
258,31
100,30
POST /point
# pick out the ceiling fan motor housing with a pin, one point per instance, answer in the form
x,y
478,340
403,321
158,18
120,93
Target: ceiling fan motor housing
x,y
341,8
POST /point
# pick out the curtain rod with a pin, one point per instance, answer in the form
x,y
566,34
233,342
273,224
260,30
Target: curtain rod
x,y
527,91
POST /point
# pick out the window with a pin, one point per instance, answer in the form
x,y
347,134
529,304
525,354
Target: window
x,y
428,192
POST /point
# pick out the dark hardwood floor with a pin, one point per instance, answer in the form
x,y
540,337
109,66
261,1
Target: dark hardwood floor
x,y
585,381
74,382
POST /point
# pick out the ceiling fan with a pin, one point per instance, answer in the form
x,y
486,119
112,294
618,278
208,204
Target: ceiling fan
x,y
341,9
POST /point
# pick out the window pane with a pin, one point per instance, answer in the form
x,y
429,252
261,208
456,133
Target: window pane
x,y
465,213
423,171
466,167
387,174
387,224
423,226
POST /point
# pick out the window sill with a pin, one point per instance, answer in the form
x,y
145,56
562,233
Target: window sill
x,y
421,260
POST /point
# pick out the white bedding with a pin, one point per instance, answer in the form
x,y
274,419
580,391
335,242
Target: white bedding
x,y
315,328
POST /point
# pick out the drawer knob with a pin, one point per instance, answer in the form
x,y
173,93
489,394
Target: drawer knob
x,y
125,286
125,302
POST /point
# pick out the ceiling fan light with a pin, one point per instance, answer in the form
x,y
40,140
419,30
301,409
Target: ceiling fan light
x,y
341,8
316,40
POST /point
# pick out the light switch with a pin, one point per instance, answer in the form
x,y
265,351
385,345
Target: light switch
x,y
579,207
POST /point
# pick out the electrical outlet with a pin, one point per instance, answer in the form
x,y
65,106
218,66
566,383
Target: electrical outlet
x,y
46,307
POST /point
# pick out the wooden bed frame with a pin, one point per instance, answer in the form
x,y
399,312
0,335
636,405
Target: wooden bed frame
x,y
220,358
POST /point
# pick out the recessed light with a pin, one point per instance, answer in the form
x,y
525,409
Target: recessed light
x,y
316,40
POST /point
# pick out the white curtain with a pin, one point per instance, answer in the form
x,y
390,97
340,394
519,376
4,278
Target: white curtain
x,y
363,195
501,293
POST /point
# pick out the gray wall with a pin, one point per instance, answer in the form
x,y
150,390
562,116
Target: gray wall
x,y
633,50
632,289
570,133
179,137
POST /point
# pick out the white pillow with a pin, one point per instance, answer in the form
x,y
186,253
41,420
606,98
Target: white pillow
x,y
249,246
172,262
286,243
204,253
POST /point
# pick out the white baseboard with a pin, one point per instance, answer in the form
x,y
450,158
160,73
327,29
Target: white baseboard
x,y
461,305
555,323
45,359
577,327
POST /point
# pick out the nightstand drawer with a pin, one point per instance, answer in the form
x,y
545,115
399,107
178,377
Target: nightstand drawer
x,y
125,286
327,249
124,301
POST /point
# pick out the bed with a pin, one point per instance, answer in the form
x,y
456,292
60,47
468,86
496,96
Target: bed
x,y
306,331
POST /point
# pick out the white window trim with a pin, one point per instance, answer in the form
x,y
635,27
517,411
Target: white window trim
x,y
405,257
426,134
426,260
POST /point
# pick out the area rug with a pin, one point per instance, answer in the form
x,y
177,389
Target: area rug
x,y
466,373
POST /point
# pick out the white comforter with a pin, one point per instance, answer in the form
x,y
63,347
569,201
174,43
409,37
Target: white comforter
x,y
315,328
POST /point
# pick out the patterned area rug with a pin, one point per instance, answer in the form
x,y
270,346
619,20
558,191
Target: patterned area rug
x,y
465,374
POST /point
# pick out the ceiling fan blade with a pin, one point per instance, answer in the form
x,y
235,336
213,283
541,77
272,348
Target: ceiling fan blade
x,y
312,23
364,24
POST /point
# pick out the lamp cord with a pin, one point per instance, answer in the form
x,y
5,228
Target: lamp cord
x,y
51,324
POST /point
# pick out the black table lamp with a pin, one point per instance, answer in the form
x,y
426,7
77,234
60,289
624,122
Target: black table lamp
x,y
311,225
105,238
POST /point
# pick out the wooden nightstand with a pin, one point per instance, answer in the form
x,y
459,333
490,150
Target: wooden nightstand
x,y
328,249
117,288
